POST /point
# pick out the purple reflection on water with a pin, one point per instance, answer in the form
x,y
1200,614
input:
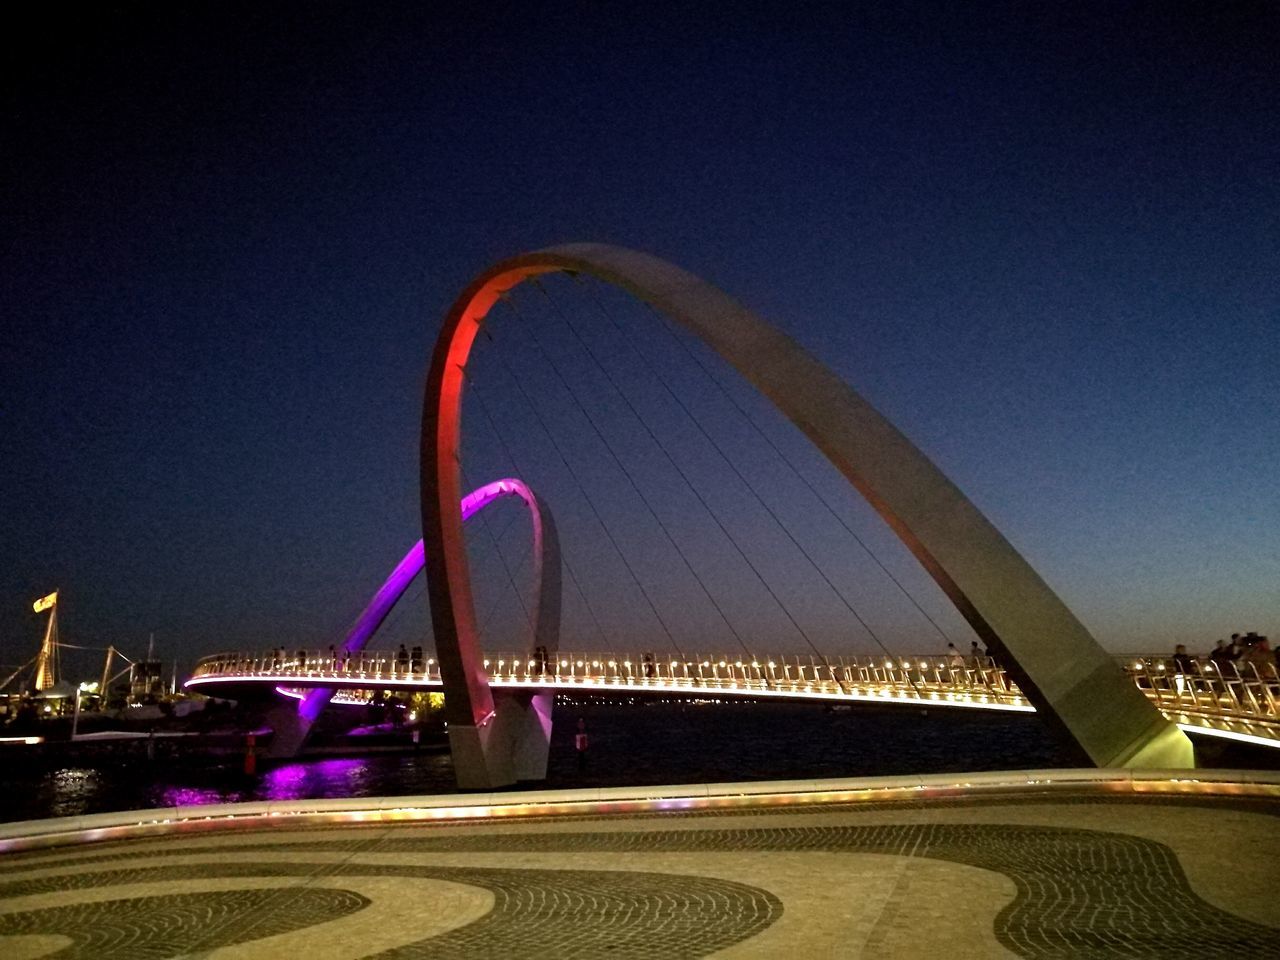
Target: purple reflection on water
x,y
344,771
190,796
335,777
284,783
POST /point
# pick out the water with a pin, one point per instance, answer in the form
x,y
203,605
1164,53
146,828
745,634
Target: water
x,y
637,744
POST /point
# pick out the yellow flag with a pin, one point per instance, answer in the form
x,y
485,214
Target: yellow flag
x,y
44,603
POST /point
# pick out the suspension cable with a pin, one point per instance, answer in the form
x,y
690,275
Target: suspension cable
x,y
396,614
483,622
492,608
417,584
405,602
685,477
564,559
484,523
631,480
666,385
818,495
582,488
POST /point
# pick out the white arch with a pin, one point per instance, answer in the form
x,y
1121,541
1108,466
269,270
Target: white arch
x,y
1071,680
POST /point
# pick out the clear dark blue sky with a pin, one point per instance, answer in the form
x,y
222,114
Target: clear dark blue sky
x,y
1043,239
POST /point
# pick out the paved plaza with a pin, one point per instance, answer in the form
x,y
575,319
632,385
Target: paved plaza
x,y
993,876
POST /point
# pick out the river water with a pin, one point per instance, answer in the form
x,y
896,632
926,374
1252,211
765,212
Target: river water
x,y
644,743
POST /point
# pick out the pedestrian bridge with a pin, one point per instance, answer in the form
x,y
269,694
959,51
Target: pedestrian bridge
x,y
1235,701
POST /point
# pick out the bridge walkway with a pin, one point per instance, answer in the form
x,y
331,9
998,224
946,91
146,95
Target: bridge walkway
x,y
1238,701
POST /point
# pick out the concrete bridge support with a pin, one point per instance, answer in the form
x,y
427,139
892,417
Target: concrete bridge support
x,y
290,727
511,745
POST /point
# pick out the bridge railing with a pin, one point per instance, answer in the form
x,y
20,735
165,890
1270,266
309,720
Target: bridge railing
x,y
1207,688
799,675
317,665
1231,698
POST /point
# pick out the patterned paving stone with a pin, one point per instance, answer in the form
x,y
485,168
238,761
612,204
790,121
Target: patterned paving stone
x,y
153,928
1079,893
537,913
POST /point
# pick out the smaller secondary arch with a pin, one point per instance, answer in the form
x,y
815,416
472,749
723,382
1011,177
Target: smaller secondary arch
x,y
546,574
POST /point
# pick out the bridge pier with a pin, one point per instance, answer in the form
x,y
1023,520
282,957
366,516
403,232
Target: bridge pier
x,y
290,727
512,744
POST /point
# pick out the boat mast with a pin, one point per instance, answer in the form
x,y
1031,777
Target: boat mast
x,y
47,664
106,672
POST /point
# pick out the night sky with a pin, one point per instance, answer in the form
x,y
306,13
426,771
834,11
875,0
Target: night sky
x,y
1043,239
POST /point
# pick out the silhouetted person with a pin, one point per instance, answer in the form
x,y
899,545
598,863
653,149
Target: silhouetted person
x,y
1258,655
580,744
647,660
415,659
402,659
1183,661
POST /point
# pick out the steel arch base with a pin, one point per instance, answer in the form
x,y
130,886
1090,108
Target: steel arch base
x,y
1071,680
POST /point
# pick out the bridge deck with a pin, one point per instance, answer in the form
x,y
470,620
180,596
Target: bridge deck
x,y
1238,701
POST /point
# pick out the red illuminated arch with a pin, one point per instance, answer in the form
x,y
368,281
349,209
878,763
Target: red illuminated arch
x,y
1072,681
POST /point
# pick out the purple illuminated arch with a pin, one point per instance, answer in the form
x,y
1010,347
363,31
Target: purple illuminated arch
x,y
546,572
